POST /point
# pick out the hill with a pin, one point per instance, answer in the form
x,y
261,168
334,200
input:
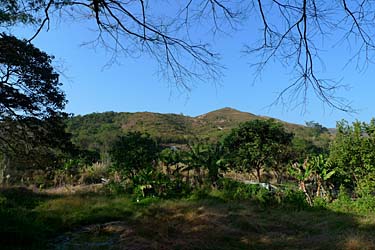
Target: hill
x,y
98,130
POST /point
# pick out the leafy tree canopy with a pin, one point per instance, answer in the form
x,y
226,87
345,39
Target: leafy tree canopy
x,y
133,153
316,128
29,86
353,152
31,101
256,144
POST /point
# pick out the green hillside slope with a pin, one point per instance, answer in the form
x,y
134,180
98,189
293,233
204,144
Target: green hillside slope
x,y
98,130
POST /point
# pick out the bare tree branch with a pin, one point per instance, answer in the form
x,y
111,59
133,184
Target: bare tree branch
x,y
291,34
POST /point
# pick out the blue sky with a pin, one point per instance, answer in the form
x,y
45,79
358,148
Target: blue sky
x,y
133,85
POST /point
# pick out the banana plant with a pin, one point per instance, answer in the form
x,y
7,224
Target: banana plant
x,y
171,158
322,170
206,157
302,172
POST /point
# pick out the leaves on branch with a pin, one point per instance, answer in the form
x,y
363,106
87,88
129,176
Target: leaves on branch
x,y
31,101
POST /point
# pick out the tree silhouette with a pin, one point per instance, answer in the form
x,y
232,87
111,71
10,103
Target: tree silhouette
x,y
29,84
134,153
31,101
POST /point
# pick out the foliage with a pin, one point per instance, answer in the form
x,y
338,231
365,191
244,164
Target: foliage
x,y
288,198
134,153
95,132
317,172
366,187
345,203
302,172
12,11
323,171
206,157
116,188
234,190
32,124
304,147
98,131
172,158
30,87
154,183
94,174
353,153
311,141
256,144
316,128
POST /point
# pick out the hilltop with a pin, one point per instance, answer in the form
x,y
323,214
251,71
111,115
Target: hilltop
x,y
98,130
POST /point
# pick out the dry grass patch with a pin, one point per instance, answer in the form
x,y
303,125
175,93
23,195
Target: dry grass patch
x,y
201,225
356,241
96,221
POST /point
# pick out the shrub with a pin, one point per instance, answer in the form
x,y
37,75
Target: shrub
x,y
290,198
295,197
365,203
366,186
115,188
157,184
94,174
343,195
320,202
234,190
200,193
3,200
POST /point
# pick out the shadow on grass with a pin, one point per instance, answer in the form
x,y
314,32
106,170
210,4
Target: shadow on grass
x,y
29,220
212,223
19,226
101,222
205,225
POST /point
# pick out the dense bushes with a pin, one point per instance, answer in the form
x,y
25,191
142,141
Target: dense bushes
x,y
259,148
234,190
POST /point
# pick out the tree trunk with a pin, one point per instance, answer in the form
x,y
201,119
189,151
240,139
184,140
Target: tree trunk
x,y
258,173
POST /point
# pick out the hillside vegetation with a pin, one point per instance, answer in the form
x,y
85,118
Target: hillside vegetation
x,y
97,131
222,180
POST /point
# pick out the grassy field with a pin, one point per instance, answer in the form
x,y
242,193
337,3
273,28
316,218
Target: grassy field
x,y
32,220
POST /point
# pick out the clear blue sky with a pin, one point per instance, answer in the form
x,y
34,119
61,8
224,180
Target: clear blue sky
x,y
133,85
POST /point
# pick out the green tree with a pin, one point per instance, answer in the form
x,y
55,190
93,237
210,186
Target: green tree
x,y
32,123
29,85
257,144
316,128
134,153
31,101
353,153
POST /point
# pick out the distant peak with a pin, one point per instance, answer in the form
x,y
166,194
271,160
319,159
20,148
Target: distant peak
x,y
227,113
222,110
227,109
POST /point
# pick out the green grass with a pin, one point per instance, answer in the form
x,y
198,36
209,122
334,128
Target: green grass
x,y
98,221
